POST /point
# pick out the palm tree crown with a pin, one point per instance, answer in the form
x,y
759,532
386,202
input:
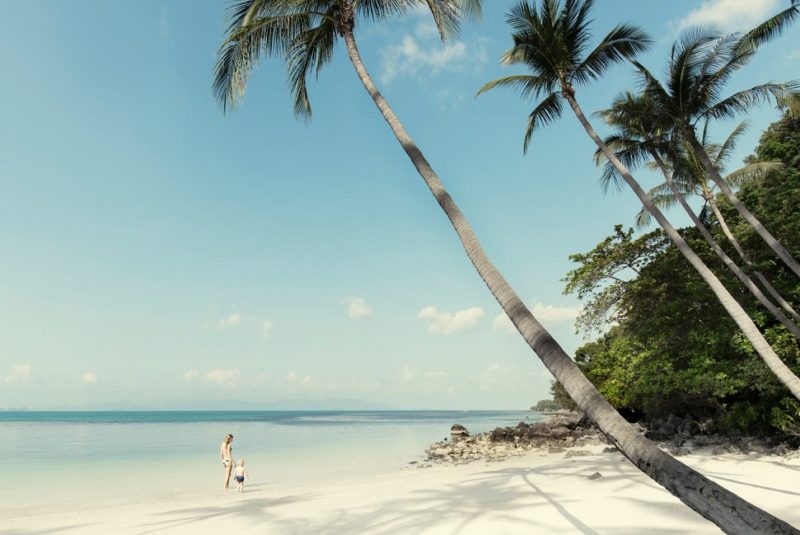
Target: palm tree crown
x,y
552,42
690,177
304,33
702,62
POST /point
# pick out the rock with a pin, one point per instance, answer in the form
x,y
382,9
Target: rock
x,y
596,475
458,432
577,453
498,435
782,449
611,449
720,450
679,451
555,450
559,432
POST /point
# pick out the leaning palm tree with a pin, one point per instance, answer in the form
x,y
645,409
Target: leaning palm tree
x,y
551,42
638,139
690,174
303,33
696,76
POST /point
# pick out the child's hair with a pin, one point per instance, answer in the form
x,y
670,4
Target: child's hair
x,y
228,438
241,462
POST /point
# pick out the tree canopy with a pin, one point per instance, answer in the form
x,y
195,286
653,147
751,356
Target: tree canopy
x,y
670,348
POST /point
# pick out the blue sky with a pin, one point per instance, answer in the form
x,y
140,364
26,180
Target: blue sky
x,y
160,253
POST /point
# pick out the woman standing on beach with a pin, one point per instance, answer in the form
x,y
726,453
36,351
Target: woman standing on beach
x,y
225,452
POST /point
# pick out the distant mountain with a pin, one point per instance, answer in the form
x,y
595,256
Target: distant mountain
x,y
346,404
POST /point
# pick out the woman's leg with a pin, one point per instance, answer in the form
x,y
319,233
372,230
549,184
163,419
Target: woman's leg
x,y
228,467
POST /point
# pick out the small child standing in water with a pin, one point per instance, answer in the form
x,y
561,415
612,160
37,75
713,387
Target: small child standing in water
x,y
239,474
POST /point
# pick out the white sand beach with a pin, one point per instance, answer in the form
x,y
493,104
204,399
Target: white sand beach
x,y
534,493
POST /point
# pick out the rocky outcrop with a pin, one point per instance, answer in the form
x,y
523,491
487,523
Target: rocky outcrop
x,y
566,431
562,430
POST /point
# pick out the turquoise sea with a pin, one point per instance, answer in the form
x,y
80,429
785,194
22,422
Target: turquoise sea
x,y
68,458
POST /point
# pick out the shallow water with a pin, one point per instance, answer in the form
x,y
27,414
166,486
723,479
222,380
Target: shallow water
x,y
62,460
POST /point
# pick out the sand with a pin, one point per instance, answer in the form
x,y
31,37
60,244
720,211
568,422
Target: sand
x,y
535,493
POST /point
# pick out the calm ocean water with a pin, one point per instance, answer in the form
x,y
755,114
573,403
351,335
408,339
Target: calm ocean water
x,y
77,456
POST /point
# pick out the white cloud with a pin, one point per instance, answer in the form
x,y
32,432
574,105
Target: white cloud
x,y
297,379
233,320
442,322
729,15
20,373
191,375
407,374
554,314
547,314
502,324
424,54
223,377
434,375
357,307
265,330
89,378
426,28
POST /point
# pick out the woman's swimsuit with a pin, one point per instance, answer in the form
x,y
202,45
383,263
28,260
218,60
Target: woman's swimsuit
x,y
226,461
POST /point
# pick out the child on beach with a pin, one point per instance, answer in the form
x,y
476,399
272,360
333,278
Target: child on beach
x,y
239,474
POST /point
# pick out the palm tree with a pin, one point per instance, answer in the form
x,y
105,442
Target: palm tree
x,y
551,43
637,139
692,177
308,29
697,73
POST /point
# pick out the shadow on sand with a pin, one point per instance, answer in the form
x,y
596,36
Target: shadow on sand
x,y
497,494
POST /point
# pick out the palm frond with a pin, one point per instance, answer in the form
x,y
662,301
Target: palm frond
x,y
270,35
751,173
471,9
445,16
611,179
309,51
729,145
662,200
546,112
622,43
769,29
686,60
527,85
377,10
743,100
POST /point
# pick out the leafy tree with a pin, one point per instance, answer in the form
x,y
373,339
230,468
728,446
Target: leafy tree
x,y
638,140
699,67
552,42
672,350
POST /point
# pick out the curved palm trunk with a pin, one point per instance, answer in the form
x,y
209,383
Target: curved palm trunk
x,y
741,275
734,309
714,502
746,259
768,238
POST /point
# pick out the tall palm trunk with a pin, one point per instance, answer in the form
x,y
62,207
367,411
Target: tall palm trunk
x,y
770,240
746,259
734,309
714,502
741,275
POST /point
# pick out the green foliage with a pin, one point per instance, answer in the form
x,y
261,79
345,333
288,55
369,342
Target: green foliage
x,y
672,348
546,405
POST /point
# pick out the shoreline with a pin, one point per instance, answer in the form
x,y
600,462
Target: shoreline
x,y
552,492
